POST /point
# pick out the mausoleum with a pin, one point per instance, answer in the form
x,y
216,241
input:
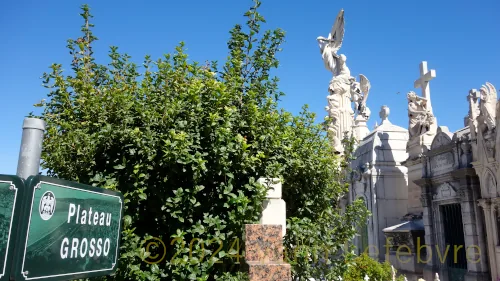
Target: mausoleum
x,y
380,180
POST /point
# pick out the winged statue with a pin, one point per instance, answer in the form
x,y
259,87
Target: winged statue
x,y
488,104
331,45
365,88
359,95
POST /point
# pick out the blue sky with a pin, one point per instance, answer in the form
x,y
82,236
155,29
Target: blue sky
x,y
384,40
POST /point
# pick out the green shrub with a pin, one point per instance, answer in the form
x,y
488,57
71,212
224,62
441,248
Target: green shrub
x,y
364,265
185,144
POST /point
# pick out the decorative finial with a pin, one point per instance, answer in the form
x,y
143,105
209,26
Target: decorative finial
x,y
384,113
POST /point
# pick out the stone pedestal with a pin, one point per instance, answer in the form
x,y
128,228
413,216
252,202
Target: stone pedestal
x,y
264,253
416,148
419,145
360,128
274,208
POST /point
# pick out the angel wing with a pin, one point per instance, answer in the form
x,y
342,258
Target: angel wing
x,y
490,91
336,35
330,46
365,86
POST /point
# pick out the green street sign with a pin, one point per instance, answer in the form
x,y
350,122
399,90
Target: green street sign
x,y
11,195
70,231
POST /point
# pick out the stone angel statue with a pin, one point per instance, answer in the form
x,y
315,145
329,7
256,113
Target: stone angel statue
x,y
334,62
359,95
331,45
488,105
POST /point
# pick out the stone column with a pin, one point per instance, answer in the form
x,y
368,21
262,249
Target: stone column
x,y
430,238
415,173
360,128
274,209
477,268
490,232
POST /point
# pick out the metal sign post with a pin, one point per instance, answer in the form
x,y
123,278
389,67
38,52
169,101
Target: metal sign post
x,y
31,148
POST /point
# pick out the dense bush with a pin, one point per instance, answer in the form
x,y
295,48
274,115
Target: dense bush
x,y
364,265
185,144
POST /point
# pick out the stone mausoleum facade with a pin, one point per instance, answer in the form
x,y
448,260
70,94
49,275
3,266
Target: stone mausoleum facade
x,y
433,193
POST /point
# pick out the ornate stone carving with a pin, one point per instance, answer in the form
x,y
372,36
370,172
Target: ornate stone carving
x,y
334,128
490,183
474,110
339,101
342,80
441,163
487,116
465,152
445,191
343,89
442,138
421,120
426,200
420,113
486,121
359,95
485,204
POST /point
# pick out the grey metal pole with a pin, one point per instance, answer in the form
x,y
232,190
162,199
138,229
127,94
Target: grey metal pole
x,y
31,148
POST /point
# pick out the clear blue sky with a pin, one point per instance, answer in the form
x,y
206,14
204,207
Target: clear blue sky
x,y
385,40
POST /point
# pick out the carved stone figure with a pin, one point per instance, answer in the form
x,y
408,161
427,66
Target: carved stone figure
x,y
334,62
486,120
339,101
334,104
332,133
343,88
359,95
466,155
487,116
421,120
474,111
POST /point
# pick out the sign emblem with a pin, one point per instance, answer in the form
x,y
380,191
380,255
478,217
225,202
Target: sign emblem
x,y
47,205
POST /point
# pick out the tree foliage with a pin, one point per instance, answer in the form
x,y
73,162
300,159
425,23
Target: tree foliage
x,y
185,144
366,266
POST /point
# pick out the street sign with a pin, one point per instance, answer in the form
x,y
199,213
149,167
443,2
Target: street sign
x,y
11,195
70,231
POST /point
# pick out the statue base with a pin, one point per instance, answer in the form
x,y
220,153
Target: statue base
x,y
360,128
418,145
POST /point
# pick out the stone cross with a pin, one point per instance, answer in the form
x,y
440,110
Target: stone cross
x,y
423,82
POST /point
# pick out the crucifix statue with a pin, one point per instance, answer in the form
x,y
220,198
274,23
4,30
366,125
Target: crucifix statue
x,y
421,118
423,82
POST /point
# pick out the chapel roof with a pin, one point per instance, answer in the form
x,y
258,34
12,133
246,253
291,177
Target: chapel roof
x,y
385,143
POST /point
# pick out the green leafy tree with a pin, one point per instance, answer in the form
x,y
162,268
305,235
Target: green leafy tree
x,y
364,265
185,144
